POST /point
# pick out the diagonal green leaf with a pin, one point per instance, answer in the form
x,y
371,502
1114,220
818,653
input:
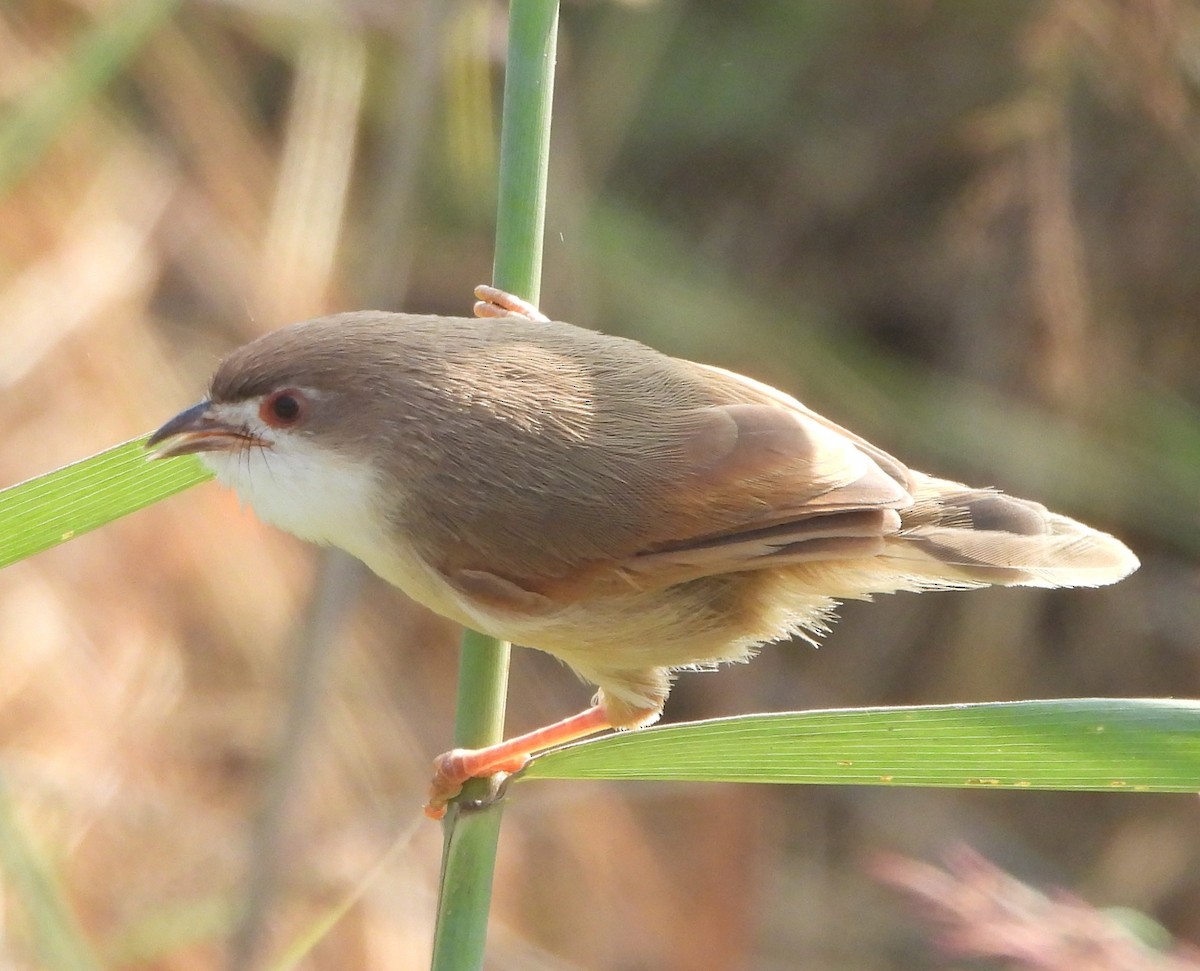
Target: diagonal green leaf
x,y
60,505
1143,745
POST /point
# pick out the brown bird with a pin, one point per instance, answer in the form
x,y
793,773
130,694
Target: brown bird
x,y
627,512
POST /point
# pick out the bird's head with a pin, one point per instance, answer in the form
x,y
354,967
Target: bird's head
x,y
285,425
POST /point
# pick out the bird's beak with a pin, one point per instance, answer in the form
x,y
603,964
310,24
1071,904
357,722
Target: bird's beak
x,y
198,429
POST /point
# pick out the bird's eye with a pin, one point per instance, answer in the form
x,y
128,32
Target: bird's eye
x,y
283,408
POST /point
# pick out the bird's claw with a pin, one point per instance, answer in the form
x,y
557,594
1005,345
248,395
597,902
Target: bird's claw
x,y
452,769
494,302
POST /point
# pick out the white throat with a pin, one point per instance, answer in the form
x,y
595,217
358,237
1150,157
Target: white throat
x,y
326,497
312,493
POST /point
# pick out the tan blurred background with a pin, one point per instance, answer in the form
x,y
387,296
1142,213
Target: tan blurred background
x,y
970,230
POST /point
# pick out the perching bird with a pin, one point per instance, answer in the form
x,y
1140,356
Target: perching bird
x,y
627,512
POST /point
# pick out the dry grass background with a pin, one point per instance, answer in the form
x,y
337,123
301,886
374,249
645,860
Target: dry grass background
x,y
969,230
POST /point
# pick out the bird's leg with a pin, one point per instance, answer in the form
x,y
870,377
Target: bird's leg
x,y
499,303
455,767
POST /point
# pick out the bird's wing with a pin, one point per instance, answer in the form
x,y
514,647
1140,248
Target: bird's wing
x,y
755,481
801,489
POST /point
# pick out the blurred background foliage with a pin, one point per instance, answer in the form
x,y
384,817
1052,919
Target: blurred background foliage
x,y
969,230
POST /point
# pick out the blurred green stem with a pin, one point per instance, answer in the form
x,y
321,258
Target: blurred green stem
x,y
59,943
469,853
99,55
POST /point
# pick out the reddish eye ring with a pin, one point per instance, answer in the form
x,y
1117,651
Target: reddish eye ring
x,y
281,409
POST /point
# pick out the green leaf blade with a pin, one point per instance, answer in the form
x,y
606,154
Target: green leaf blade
x,y
42,512
1144,745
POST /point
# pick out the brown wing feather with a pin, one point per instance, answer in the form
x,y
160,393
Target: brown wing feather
x,y
631,467
692,471
764,393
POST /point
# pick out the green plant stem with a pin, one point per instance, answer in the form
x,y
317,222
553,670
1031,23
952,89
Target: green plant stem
x,y
469,852
525,147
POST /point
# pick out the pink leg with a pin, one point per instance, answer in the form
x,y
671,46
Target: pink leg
x,y
455,767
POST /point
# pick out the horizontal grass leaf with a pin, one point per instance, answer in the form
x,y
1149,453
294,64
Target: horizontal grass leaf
x,y
1143,745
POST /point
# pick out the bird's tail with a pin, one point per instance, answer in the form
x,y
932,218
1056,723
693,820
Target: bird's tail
x,y
957,536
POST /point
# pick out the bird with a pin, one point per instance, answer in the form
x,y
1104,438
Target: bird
x,y
630,513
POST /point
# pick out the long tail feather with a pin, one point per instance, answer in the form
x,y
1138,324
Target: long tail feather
x,y
954,536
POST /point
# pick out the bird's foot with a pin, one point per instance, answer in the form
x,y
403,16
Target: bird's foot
x,y
458,765
493,302
452,769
